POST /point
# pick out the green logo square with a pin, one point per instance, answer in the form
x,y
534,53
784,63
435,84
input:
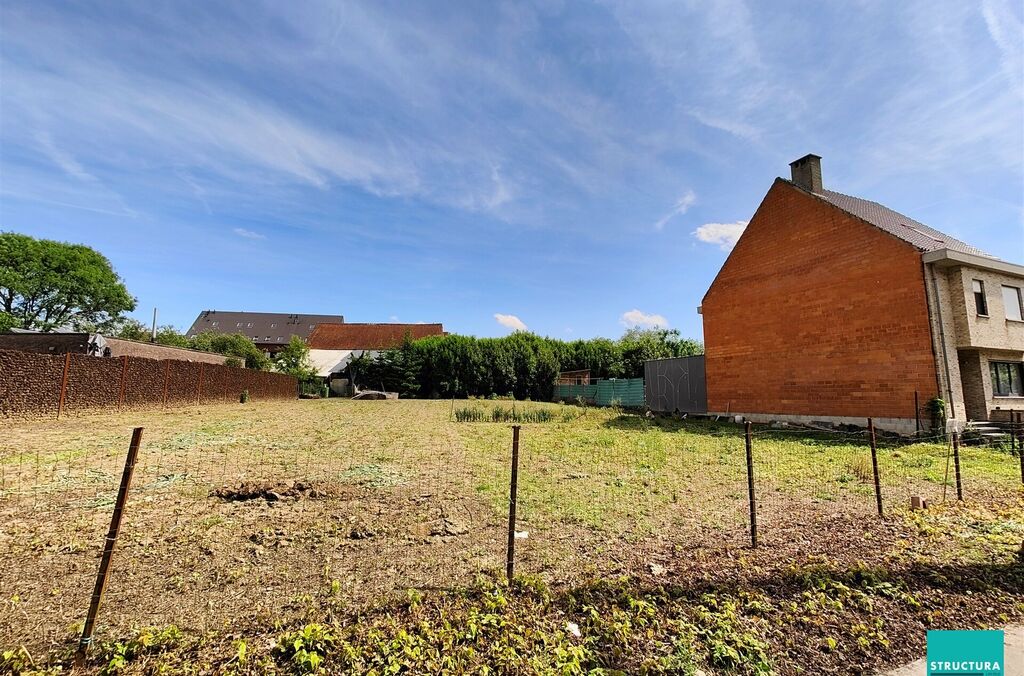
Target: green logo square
x,y
965,653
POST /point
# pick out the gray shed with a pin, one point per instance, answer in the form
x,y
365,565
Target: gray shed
x,y
676,385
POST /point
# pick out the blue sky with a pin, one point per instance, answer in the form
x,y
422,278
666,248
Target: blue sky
x,y
571,167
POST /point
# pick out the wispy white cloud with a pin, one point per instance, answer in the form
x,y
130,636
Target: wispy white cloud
x,y
1007,31
682,205
725,235
642,319
248,234
510,322
62,159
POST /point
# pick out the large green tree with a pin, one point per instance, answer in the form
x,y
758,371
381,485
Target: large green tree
x,y
293,359
232,345
46,284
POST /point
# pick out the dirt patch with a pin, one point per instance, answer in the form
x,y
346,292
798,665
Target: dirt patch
x,y
270,491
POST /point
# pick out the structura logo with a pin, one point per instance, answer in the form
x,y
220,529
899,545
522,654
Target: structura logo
x,y
965,653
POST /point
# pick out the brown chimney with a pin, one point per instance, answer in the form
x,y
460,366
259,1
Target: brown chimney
x,y
807,173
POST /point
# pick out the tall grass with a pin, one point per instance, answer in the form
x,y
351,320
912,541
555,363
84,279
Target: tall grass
x,y
502,414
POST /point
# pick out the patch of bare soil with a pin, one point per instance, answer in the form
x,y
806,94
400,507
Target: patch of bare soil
x,y
272,491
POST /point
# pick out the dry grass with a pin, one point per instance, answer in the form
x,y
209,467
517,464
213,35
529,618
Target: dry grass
x,y
394,496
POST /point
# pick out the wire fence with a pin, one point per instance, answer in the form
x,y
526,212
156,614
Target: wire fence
x,y
231,518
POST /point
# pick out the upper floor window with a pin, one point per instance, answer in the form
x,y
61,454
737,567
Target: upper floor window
x,y
1011,301
980,304
215,324
1007,378
273,326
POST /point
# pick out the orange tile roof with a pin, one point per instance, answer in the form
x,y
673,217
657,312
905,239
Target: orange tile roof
x,y
368,336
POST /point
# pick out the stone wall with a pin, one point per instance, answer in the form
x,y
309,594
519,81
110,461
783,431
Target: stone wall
x,y
30,384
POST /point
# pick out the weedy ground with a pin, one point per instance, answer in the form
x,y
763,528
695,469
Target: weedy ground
x,y
336,536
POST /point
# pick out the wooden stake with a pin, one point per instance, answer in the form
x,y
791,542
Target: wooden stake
x,y
874,466
108,548
750,485
510,559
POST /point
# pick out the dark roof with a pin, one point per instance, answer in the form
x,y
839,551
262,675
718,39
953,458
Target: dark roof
x,y
264,327
368,336
905,228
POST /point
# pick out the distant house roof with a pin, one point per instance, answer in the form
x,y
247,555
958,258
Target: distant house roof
x,y
328,336
905,228
264,328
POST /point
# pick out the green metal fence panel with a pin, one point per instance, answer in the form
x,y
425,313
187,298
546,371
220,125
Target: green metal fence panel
x,y
624,392
572,392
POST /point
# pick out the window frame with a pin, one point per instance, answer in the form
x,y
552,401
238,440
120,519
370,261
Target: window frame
x,y
1020,304
1015,378
980,298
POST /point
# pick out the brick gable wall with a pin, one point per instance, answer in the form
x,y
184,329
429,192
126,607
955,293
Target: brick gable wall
x,y
816,313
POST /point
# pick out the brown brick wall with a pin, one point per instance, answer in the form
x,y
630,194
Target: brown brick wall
x,y
78,343
134,348
817,313
30,383
45,343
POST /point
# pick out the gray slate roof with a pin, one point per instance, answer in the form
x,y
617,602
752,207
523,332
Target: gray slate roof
x,y
906,228
263,327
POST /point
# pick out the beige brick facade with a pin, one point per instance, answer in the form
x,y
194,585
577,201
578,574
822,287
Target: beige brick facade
x,y
969,341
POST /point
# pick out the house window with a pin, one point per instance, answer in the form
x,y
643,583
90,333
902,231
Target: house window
x,y
249,325
279,339
1011,301
273,326
980,304
215,324
311,326
238,324
268,337
1007,378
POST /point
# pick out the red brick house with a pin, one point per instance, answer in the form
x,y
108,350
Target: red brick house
x,y
834,308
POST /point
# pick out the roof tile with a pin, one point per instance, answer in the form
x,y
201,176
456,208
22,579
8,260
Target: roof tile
x,y
368,336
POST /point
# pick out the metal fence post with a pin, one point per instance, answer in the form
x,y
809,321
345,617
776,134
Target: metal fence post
x,y
124,380
510,558
64,384
108,548
956,466
874,465
750,485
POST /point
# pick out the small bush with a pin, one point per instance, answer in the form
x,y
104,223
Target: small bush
x,y
469,414
504,415
860,467
244,398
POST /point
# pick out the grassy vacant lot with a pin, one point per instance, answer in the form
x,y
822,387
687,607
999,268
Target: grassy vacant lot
x,y
369,537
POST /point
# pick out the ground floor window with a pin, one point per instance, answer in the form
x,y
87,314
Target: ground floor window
x,y
1007,378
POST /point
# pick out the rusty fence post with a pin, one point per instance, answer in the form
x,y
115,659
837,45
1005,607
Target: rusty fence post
x,y
108,548
167,369
510,557
874,465
956,466
124,380
750,484
64,384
